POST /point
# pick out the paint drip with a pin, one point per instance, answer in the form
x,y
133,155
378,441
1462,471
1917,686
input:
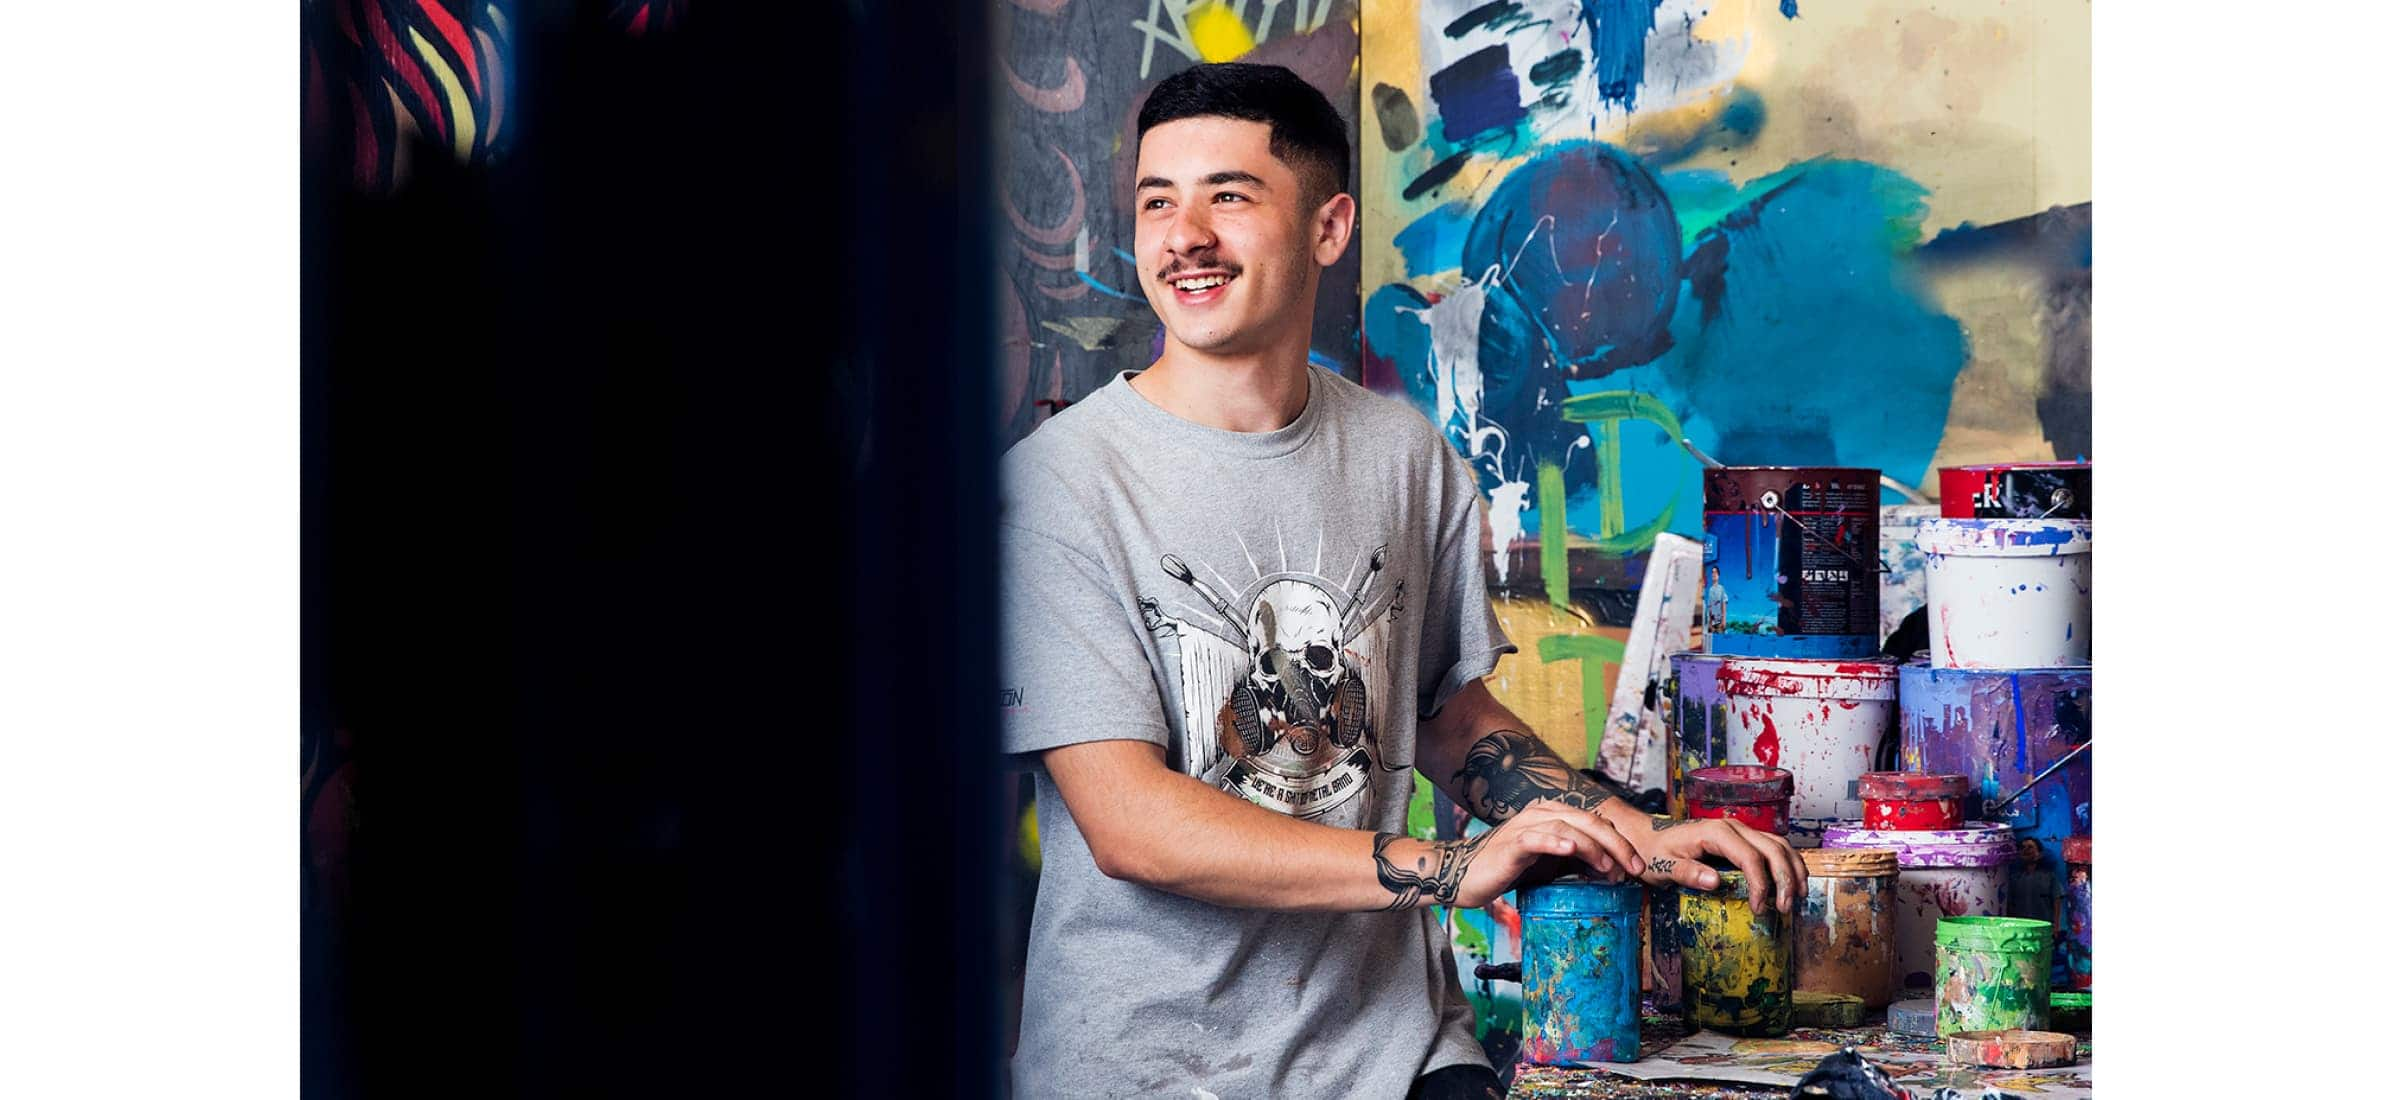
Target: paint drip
x,y
1755,794
1579,973
1944,873
1790,561
1844,935
2008,593
1738,964
1821,720
1912,800
1992,974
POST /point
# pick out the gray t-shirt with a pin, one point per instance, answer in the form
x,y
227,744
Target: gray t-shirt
x,y
1277,610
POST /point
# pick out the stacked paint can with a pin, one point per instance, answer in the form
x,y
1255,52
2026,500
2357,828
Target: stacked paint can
x,y
1737,964
1579,972
1942,873
1844,935
1820,720
1911,800
1755,794
1790,561
2004,697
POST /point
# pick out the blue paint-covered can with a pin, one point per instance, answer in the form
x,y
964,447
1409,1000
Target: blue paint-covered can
x,y
1580,973
1790,561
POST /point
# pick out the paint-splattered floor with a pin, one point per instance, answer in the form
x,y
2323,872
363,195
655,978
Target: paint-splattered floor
x,y
1662,1032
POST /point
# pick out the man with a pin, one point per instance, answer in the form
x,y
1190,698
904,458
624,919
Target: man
x,y
1244,600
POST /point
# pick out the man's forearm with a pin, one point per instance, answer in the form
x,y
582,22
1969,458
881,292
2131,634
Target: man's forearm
x,y
1153,826
1484,758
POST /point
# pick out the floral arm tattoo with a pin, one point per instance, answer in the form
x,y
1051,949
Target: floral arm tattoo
x,y
1436,875
1507,769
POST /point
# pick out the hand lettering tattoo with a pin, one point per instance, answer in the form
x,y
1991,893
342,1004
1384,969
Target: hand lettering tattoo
x,y
1439,883
1660,866
1506,770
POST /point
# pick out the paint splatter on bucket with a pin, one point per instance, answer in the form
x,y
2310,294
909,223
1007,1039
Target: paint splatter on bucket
x,y
1912,800
1944,873
1755,794
1738,964
2008,593
1992,974
1790,561
2002,729
1821,720
2018,490
2077,949
1844,935
1579,974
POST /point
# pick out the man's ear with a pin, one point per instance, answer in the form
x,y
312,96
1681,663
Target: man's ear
x,y
1332,229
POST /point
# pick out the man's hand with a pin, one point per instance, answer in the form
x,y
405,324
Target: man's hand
x,y
1542,842
1674,849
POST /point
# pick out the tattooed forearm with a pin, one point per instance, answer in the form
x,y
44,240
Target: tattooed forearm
x,y
1507,769
1436,875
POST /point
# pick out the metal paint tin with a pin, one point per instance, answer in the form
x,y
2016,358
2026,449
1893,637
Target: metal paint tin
x,y
2002,729
1844,935
1738,964
2008,593
1579,973
1754,794
1992,974
2018,490
1911,800
2077,948
1790,561
1961,872
1821,720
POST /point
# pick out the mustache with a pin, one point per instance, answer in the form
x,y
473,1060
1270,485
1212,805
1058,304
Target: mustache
x,y
1174,269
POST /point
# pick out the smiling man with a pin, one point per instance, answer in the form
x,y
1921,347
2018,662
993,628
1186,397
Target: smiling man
x,y
1244,600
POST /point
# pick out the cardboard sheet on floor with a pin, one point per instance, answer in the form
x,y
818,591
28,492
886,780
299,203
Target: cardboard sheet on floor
x,y
1915,1064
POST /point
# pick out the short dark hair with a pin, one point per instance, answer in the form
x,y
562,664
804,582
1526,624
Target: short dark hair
x,y
1306,132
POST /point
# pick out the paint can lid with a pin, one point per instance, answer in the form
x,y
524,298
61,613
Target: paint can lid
x,y
1739,784
2077,849
1847,679
2004,934
1973,844
2011,1049
1915,1017
1576,895
1813,1008
1907,786
2005,538
1849,862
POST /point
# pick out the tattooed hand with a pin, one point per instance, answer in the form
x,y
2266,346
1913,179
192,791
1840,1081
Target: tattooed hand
x,y
1540,843
1674,849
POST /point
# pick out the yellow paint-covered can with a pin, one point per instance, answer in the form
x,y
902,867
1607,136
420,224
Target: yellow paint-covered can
x,y
1738,965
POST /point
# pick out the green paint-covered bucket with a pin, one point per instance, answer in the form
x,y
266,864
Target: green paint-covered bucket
x,y
1992,974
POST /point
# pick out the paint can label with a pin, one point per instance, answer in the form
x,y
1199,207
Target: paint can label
x,y
1791,561
2030,490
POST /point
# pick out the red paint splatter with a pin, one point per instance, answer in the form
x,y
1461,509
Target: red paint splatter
x,y
1507,915
1765,747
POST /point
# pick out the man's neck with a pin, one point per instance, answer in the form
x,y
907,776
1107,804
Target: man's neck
x,y
1258,393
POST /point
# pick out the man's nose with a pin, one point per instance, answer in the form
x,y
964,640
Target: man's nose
x,y
1191,231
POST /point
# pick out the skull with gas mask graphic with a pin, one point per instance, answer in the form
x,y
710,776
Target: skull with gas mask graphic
x,y
1301,690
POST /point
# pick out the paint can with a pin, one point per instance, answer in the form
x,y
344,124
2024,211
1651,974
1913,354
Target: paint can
x,y
2008,593
1815,1009
1844,935
1755,794
1738,964
2018,490
1911,800
1579,976
2014,1048
2003,729
1790,561
1661,943
1901,567
1821,720
1992,974
2077,974
1961,872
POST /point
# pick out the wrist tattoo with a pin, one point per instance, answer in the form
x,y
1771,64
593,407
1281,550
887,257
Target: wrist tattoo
x,y
1436,875
1661,823
1507,769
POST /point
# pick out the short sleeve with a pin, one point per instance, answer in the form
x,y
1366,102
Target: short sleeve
x,y
1074,664
1460,638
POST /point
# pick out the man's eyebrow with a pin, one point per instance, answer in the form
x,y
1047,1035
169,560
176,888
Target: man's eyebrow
x,y
1215,180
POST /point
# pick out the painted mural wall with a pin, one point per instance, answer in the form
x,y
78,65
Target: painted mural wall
x,y
1789,233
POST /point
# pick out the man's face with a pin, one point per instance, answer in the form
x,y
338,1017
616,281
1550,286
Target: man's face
x,y
1226,244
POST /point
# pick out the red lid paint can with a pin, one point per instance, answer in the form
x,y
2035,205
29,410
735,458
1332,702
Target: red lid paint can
x,y
1911,800
2018,490
1755,794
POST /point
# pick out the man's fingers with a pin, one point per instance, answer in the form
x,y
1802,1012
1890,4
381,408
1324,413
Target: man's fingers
x,y
1729,842
1793,878
1594,826
1582,846
1690,873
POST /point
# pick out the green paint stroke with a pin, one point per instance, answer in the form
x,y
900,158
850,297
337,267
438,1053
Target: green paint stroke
x,y
1553,533
1608,409
1420,822
1595,654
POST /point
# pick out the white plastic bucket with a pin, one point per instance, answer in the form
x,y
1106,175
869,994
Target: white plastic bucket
x,y
1821,720
2008,593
